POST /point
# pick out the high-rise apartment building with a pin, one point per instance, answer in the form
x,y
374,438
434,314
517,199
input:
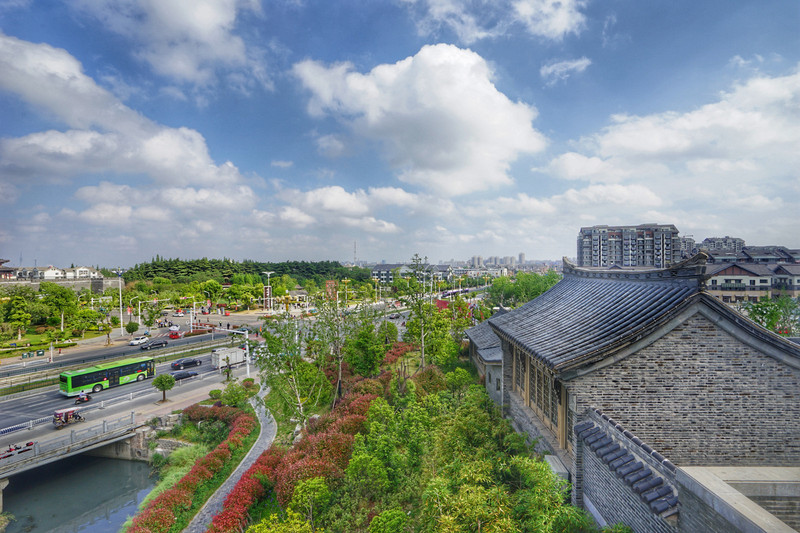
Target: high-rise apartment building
x,y
652,245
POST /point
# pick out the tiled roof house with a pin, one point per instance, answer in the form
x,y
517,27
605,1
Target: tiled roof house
x,y
635,377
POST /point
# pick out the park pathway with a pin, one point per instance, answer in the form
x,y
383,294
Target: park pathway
x,y
202,520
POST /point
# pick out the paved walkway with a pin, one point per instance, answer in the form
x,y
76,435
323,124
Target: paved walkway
x,y
202,520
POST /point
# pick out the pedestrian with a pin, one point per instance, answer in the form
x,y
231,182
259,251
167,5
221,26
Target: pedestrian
x,y
59,351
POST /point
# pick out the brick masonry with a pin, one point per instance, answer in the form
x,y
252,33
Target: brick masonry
x,y
785,508
612,497
701,397
696,515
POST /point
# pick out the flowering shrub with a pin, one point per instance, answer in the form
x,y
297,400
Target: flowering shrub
x,y
369,386
354,404
305,468
162,513
350,424
153,520
398,350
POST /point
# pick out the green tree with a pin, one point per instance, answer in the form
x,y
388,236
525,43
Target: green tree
x,y
132,327
416,301
435,333
234,395
163,382
389,521
780,314
213,288
18,316
84,319
387,334
296,386
364,351
311,497
330,331
292,523
61,299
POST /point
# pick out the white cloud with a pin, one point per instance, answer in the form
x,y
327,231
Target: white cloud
x,y
282,164
738,155
552,19
467,19
295,217
186,40
330,145
440,119
561,70
472,20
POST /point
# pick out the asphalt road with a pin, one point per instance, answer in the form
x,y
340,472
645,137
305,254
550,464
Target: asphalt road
x,y
146,402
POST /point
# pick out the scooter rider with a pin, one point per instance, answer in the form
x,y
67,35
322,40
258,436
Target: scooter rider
x,y
82,396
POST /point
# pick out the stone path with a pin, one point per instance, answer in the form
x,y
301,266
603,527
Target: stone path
x,y
202,520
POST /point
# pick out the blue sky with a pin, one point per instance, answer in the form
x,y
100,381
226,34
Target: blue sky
x,y
292,129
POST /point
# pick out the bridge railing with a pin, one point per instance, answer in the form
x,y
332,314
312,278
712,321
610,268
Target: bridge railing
x,y
76,439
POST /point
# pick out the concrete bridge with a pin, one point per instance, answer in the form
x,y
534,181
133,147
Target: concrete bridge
x,y
103,435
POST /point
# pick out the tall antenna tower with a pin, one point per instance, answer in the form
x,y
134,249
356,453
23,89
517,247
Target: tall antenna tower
x,y
354,253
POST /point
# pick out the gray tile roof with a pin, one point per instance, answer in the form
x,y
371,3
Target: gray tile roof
x,y
482,336
754,268
590,315
491,355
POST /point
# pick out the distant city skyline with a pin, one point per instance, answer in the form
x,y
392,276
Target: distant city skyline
x,y
288,130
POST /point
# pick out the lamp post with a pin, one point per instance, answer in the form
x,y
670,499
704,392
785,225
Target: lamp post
x,y
119,277
269,273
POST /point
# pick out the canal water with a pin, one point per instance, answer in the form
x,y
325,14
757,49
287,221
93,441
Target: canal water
x,y
80,493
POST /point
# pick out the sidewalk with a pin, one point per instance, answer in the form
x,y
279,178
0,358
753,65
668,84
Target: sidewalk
x,y
202,520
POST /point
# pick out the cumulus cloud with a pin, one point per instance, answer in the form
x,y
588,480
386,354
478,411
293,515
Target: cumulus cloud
x,y
189,41
561,70
738,154
440,119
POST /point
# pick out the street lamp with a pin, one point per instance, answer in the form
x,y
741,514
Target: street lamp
x,y
119,277
268,274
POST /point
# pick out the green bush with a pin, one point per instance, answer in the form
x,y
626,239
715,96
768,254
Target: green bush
x,y
215,394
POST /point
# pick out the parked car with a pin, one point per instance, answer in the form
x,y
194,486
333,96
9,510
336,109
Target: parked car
x,y
180,364
182,374
178,313
154,343
394,316
138,340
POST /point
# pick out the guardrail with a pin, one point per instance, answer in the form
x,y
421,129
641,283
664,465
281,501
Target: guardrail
x,y
76,440
162,353
30,424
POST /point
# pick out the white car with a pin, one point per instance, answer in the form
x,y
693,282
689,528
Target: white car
x,y
138,340
179,313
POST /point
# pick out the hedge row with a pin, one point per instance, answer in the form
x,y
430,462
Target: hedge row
x,y
171,510
324,451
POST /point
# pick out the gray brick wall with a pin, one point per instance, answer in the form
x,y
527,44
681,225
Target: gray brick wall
x,y
701,397
697,516
615,500
785,508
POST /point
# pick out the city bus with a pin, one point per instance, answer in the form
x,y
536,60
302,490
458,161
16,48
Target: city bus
x,y
104,375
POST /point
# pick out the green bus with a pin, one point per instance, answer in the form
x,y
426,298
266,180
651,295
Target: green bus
x,y
104,375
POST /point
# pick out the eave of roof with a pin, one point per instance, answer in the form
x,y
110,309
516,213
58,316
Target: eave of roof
x,y
590,316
